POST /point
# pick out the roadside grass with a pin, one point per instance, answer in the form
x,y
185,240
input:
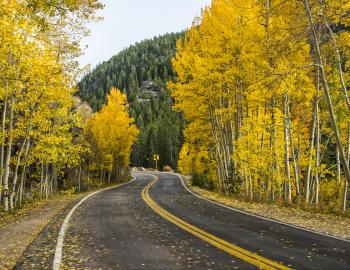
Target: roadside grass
x,y
315,219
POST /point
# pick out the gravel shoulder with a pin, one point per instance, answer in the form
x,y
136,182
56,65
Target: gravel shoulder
x,y
329,224
18,230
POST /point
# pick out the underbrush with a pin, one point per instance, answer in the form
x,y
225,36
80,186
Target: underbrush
x,y
202,181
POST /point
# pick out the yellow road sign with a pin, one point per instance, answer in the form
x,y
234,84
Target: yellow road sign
x,y
155,157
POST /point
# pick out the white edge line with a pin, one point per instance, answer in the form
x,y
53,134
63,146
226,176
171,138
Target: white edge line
x,y
60,239
258,216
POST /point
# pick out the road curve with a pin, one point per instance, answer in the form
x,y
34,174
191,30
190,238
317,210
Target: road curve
x,y
290,246
118,229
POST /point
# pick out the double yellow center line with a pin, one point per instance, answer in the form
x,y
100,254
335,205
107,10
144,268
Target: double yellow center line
x,y
236,251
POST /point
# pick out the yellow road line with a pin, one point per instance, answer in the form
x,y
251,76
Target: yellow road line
x,y
236,251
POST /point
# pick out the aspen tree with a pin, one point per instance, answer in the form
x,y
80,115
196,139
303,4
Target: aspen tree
x,y
114,132
326,89
345,190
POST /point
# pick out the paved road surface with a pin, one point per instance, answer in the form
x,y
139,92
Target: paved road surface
x,y
116,229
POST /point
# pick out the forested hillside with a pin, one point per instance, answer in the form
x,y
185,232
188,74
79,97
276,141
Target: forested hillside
x,y
142,71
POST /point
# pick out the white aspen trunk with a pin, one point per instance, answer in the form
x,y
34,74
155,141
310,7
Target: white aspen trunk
x,y
24,145
312,189
333,119
15,174
295,162
288,189
223,144
276,169
345,191
8,156
54,184
309,166
23,174
251,185
337,155
229,127
42,181
101,177
237,127
88,175
271,166
79,179
294,156
51,178
2,150
262,145
261,174
218,151
22,185
246,184
251,189
50,185
338,167
54,171
46,181
318,138
340,71
15,203
317,161
109,177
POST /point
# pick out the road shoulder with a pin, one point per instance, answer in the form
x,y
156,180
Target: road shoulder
x,y
18,230
328,224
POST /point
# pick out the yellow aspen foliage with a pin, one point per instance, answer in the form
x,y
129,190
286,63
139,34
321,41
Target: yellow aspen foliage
x,y
114,133
39,126
255,92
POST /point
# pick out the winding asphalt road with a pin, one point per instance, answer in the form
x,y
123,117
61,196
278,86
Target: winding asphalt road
x,y
151,224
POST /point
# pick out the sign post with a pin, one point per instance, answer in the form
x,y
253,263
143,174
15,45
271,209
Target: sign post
x,y
156,158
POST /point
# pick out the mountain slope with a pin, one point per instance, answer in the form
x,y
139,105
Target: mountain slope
x,y
142,71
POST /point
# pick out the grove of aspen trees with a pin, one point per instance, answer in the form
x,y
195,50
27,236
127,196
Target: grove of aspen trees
x,y
264,87
259,89
50,141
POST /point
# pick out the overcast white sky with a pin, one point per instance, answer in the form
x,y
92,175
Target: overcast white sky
x,y
129,21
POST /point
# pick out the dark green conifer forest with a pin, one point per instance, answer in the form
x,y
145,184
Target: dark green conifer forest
x,y
142,72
